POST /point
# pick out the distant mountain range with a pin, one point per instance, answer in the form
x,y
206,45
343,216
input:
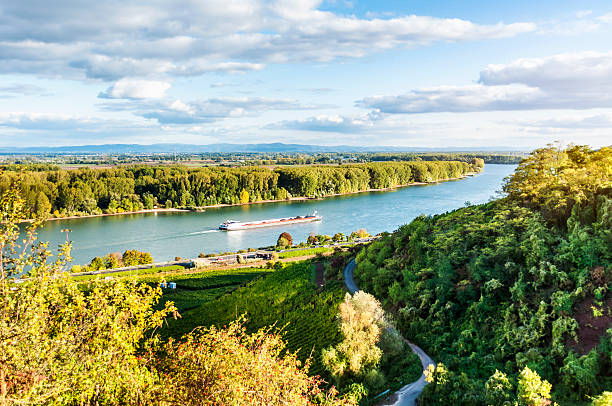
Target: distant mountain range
x,y
112,149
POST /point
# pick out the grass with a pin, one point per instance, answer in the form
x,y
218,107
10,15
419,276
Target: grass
x,y
304,252
138,272
194,289
187,299
286,298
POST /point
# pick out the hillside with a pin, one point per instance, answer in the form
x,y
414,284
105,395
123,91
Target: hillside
x,y
519,282
286,298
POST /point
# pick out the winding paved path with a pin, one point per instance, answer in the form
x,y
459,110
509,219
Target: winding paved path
x,y
407,395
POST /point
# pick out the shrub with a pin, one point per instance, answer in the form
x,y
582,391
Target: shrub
x,y
284,240
240,368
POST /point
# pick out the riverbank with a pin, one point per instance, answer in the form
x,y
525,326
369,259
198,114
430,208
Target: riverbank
x,y
290,199
162,210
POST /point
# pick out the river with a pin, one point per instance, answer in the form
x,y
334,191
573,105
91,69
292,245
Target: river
x,y
186,234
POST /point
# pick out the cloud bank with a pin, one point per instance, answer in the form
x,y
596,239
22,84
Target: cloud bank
x,y
565,81
136,38
174,111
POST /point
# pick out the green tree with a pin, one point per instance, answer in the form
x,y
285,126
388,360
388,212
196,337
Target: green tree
x,y
533,390
131,258
605,399
43,206
145,258
338,237
229,366
244,196
362,321
284,240
498,389
312,239
148,201
85,353
96,264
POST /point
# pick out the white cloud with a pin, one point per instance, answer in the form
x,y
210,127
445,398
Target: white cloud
x,y
566,81
571,123
136,38
606,18
22,89
204,111
455,99
62,122
326,123
136,89
583,13
580,72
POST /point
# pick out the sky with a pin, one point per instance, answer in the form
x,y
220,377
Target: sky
x,y
427,73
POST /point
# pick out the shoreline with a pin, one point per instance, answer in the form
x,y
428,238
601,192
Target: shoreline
x,y
290,199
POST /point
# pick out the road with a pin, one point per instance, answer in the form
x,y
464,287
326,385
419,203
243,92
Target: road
x,y
227,259
408,394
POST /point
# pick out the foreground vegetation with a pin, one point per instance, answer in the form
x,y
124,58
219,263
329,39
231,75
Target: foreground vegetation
x,y
63,342
286,298
124,189
511,295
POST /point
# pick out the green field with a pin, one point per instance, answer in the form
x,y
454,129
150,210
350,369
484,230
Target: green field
x,y
138,272
285,297
194,289
304,252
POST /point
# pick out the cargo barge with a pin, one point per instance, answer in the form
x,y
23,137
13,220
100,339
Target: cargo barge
x,y
232,225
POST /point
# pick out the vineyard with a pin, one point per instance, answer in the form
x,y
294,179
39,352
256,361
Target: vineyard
x,y
194,289
286,298
135,272
304,252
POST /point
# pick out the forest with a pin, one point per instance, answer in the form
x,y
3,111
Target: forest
x,y
87,191
512,294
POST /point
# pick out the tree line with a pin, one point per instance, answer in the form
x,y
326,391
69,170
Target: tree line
x,y
123,189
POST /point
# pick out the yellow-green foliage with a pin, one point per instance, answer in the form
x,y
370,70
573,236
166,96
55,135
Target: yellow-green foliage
x,y
61,345
533,390
605,399
362,321
552,179
230,367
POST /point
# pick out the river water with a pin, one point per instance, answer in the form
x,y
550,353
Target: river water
x,y
186,234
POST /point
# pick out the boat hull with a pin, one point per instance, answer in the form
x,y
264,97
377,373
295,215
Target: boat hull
x,y
237,226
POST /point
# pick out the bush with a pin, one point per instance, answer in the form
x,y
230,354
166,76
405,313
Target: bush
x,y
284,240
240,368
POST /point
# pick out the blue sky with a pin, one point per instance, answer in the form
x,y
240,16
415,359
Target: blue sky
x,y
405,73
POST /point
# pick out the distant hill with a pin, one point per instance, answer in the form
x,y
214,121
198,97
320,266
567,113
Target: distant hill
x,y
110,149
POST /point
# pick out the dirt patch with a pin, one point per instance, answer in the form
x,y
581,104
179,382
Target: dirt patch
x,y
590,326
319,274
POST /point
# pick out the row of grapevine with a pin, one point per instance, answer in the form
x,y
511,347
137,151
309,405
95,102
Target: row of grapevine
x,y
286,298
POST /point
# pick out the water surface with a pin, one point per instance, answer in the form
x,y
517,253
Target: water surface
x,y
186,234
